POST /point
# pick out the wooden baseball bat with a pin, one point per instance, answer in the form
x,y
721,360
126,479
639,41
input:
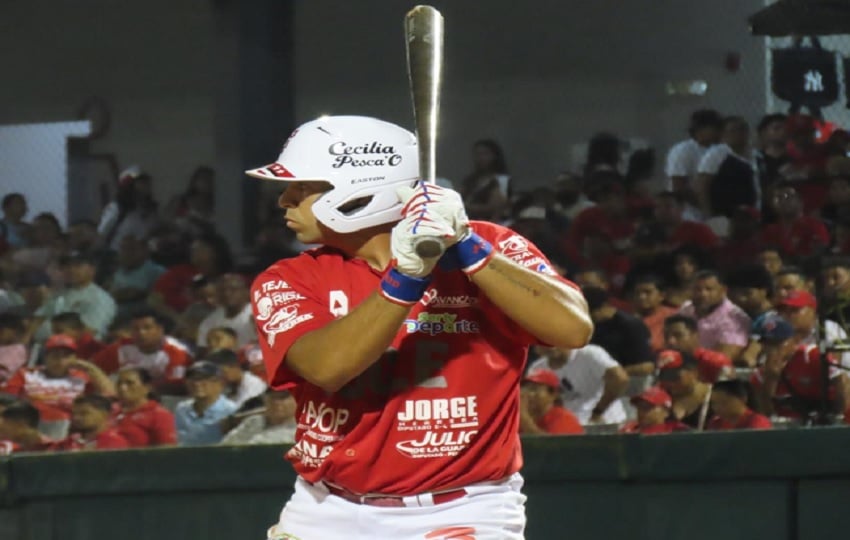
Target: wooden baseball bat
x,y
423,30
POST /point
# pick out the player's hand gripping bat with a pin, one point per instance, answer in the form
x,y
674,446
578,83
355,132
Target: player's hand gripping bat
x,y
423,31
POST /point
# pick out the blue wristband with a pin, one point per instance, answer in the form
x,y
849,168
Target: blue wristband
x,y
401,289
472,253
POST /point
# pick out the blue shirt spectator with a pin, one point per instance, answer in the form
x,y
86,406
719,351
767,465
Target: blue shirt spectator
x,y
198,419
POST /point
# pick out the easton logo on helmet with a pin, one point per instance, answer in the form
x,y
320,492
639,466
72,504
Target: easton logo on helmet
x,y
373,154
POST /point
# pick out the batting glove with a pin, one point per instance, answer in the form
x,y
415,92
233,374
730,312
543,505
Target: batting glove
x,y
432,199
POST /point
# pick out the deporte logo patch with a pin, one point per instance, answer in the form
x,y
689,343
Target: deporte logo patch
x,y
440,323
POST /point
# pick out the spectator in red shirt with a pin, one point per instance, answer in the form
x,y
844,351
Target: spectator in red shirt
x,y
654,407
798,235
790,381
609,217
669,208
681,334
64,377
71,324
744,239
648,301
751,289
150,348
729,404
140,419
19,429
90,426
539,412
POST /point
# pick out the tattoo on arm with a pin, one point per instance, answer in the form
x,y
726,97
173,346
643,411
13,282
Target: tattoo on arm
x,y
498,268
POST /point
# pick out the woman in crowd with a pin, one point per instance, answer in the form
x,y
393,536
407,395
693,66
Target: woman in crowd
x,y
193,209
487,189
140,419
134,210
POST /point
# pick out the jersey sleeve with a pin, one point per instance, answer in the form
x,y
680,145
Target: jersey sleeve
x,y
285,308
523,252
107,359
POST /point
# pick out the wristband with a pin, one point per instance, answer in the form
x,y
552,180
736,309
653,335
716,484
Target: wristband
x,y
473,252
402,289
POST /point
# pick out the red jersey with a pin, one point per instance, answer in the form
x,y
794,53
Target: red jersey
x,y
108,439
441,407
803,373
175,286
560,421
691,233
151,424
168,364
712,364
88,346
594,221
52,397
801,238
750,420
670,426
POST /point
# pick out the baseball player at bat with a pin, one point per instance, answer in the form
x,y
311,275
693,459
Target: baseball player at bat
x,y
406,370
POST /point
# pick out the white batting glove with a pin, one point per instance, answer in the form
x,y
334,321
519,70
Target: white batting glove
x,y
405,235
445,203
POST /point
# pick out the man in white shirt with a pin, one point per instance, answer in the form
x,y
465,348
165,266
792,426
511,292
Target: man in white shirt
x,y
276,424
726,174
684,157
591,382
234,311
240,386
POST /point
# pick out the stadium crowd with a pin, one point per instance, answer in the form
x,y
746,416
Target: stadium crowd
x,y
719,302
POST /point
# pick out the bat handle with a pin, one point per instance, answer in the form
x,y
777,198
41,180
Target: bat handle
x,y
428,247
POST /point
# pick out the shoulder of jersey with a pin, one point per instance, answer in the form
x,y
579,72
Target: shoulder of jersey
x,y
175,343
302,264
490,230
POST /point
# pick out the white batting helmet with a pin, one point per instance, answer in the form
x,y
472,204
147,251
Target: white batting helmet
x,y
363,158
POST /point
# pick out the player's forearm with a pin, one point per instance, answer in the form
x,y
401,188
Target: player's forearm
x,y
333,355
616,382
550,310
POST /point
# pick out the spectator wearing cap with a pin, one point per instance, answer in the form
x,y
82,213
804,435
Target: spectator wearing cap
x,y
622,335
654,417
150,348
591,382
71,324
132,281
241,387
729,405
140,419
669,212
797,234
609,219
199,418
53,387
274,425
800,308
234,311
13,350
790,381
82,295
684,157
723,326
648,301
751,289
91,428
788,280
539,412
678,375
681,334
726,177
19,429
